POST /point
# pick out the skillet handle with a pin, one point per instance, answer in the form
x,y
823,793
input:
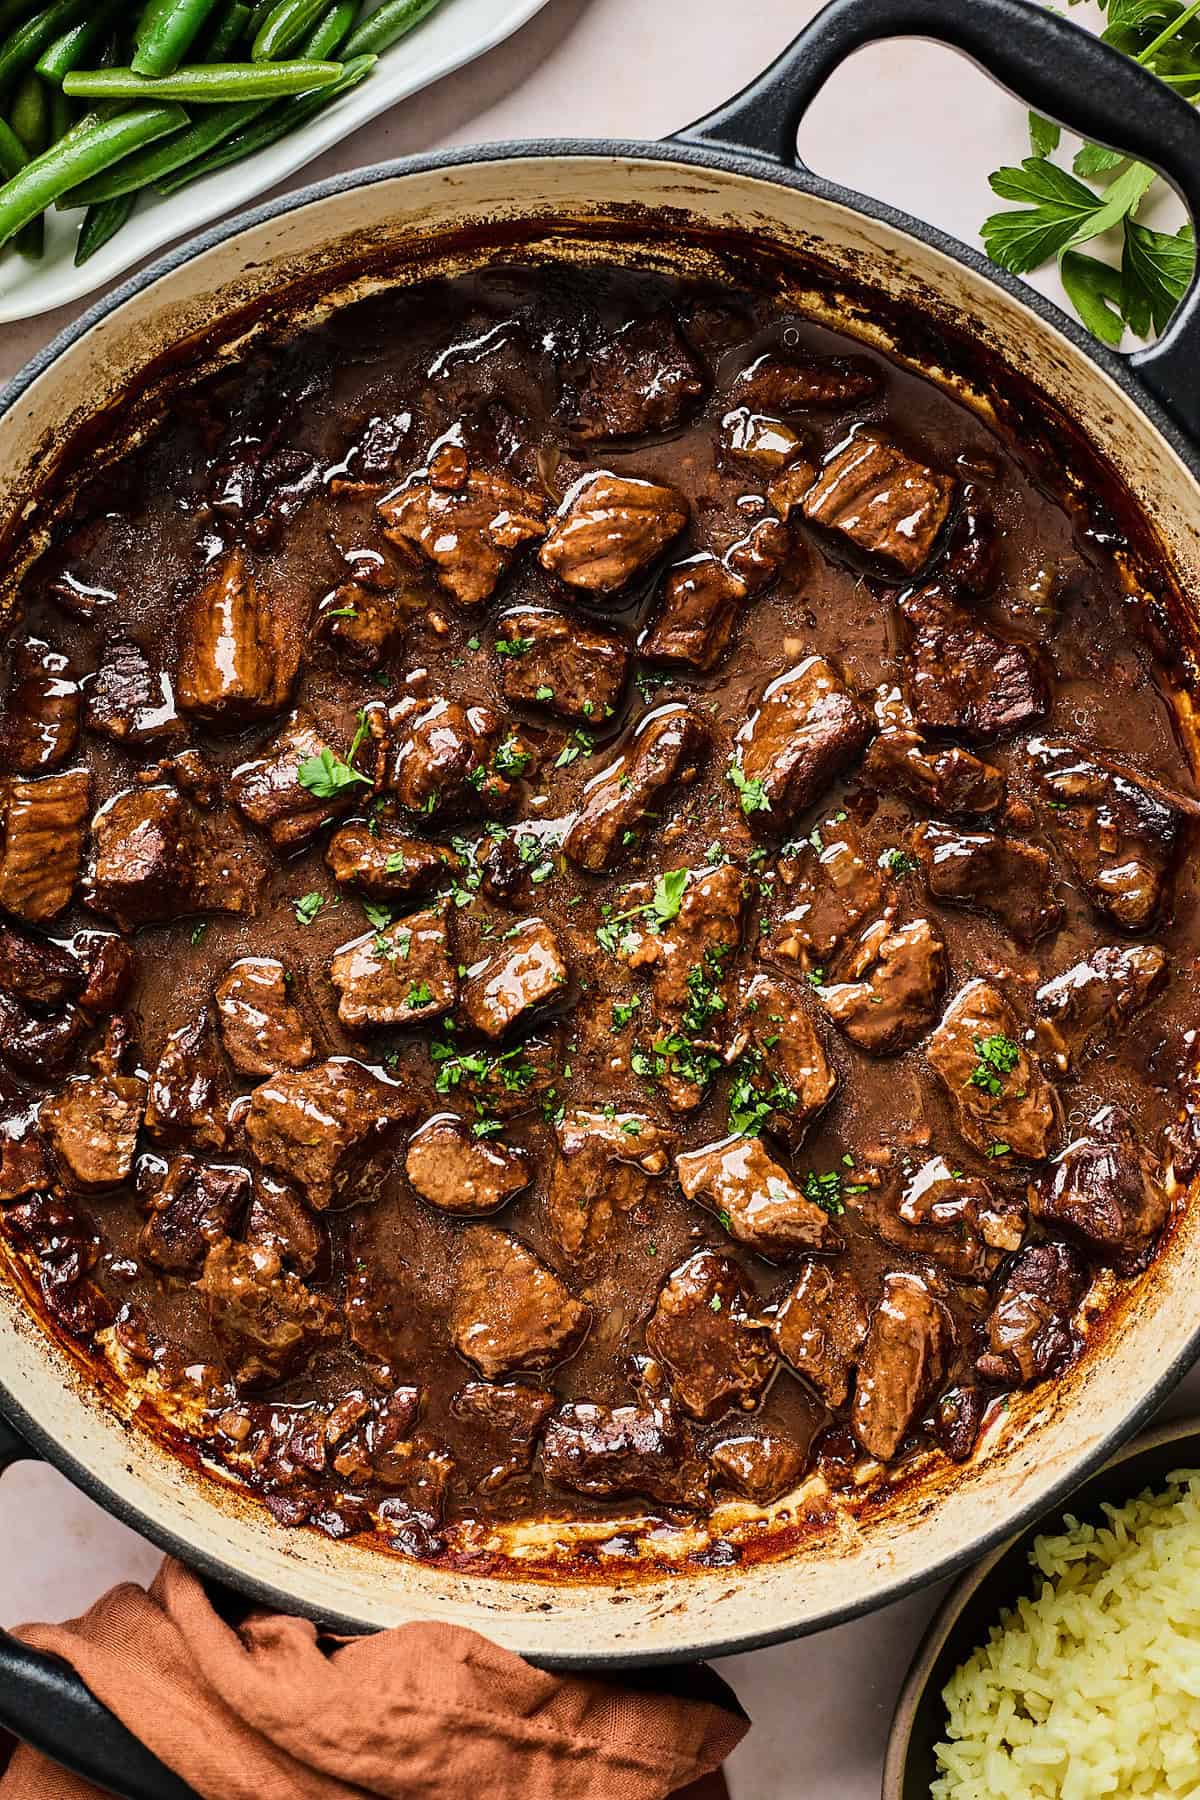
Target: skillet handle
x,y
44,1703
1054,66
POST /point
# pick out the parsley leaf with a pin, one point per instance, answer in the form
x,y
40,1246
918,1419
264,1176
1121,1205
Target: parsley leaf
x,y
379,916
998,1057
307,907
668,894
751,794
517,646
325,776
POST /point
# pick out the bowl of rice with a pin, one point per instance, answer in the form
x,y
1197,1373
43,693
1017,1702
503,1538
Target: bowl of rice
x,y
1066,1665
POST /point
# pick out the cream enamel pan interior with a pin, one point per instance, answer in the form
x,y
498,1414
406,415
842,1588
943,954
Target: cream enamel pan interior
x,y
851,1559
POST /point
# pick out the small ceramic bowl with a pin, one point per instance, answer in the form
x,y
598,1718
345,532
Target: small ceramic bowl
x,y
973,1604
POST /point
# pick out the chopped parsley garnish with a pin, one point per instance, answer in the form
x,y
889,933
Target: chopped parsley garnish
x,y
325,776
582,744
715,1303
544,693
668,894
825,1190
419,994
378,916
395,864
755,1095
751,794
510,758
518,646
199,930
623,1011
897,862
307,907
998,1057
998,1150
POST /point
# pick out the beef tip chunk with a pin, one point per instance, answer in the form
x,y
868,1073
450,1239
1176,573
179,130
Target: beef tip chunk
x,y
36,971
527,971
897,974
755,441
603,1172
703,1330
1087,1005
760,1467
279,1221
38,1043
665,754
944,778
195,1207
958,1419
1105,1189
908,1348
702,599
462,1174
643,378
755,1199
972,560
189,1090
793,384
1002,1100
266,1321
784,1078
112,968
269,792
759,556
1029,1331
467,523
607,1451
451,758
807,730
92,1125
39,725
505,1084
24,1168
508,1420
609,528
691,959
1121,839
262,1028
403,975
153,859
954,1219
386,864
832,890
319,1127
367,623
881,501
129,702
510,1312
820,1327
964,677
43,830
1012,880
575,670
239,648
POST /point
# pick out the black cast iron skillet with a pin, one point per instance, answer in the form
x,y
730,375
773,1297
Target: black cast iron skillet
x,y
1053,66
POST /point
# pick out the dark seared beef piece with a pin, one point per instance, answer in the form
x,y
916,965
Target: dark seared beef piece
x,y
1106,1190
756,441
761,1467
964,677
793,384
510,1312
609,528
129,702
958,1419
1098,996
319,1127
1012,880
112,969
664,754
403,975
39,724
387,1305
367,623
832,890
195,1206
886,504
278,1220
620,1450
1121,838
896,976
194,775
39,1043
526,971
37,971
820,1327
954,1219
268,792
153,859
44,823
262,1028
189,1090
971,563
908,1347
603,1171
508,1419
267,1322
1029,1332
643,378
703,1330
574,669
92,1124
1007,1103
505,1084
780,1059
754,1198
459,1173
239,648
702,598
386,863
66,1249
807,730
467,523
447,759
24,1167
942,777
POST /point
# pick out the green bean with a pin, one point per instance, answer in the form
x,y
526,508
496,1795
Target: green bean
x,y
258,17
329,32
22,48
205,84
166,34
30,120
278,123
157,160
94,144
228,29
61,114
102,222
387,25
69,50
12,10
284,26
12,152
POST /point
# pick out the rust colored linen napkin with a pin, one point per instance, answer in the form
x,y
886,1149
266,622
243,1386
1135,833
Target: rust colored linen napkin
x,y
268,1710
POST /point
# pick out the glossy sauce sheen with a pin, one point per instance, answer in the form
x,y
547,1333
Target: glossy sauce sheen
x,y
286,460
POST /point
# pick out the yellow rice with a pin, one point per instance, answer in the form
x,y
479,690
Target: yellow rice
x,y
1092,1687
